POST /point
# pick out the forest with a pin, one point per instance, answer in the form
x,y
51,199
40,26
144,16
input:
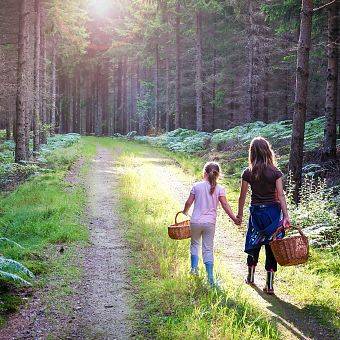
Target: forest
x,y
100,97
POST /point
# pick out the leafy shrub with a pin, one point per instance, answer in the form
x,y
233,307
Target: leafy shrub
x,y
316,212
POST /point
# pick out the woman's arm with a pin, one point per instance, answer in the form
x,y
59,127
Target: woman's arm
x,y
226,207
283,203
242,198
188,204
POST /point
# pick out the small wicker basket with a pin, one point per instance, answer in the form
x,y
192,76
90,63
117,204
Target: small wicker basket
x,y
290,251
179,230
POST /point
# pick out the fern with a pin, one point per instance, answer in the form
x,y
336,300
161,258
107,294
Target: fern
x,y
13,278
7,240
14,266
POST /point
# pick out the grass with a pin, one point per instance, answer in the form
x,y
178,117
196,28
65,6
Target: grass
x,y
172,304
41,214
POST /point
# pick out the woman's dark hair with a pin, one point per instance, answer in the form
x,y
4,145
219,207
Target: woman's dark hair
x,y
212,169
261,155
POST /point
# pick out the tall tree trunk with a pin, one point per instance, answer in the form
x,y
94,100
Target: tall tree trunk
x,y
70,104
329,149
167,94
178,66
123,97
21,97
251,48
265,113
43,88
301,91
88,102
199,81
119,96
213,109
157,88
53,90
36,103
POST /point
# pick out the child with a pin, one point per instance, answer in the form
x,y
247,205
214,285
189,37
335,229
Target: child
x,y
267,205
206,195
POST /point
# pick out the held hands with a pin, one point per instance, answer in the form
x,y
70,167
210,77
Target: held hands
x,y
238,220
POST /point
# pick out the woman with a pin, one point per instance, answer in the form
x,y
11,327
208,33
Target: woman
x,y
268,209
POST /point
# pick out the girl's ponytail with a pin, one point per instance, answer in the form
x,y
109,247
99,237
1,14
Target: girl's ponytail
x,y
212,170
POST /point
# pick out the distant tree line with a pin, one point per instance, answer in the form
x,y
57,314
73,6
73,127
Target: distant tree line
x,y
153,66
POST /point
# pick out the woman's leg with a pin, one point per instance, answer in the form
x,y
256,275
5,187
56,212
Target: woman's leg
x,y
271,263
196,233
271,268
252,260
208,235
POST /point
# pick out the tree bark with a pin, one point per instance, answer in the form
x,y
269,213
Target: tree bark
x,y
43,89
178,66
199,81
119,96
265,113
301,91
36,103
54,90
167,94
157,88
21,96
329,148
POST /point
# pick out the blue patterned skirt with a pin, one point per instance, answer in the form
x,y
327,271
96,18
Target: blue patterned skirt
x,y
263,221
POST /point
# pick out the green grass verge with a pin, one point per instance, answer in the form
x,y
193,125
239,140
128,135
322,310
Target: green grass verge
x,y
40,214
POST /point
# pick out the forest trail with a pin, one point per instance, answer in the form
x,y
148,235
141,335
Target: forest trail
x,y
106,305
291,320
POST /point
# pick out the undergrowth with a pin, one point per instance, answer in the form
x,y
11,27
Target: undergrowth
x,y
38,217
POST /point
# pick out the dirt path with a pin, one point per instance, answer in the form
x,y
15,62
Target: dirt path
x,y
106,304
291,320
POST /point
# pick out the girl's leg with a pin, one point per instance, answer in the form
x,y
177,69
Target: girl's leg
x,y
208,250
196,233
271,267
252,260
271,264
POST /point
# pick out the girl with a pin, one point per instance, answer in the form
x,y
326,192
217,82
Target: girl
x,y
268,203
206,195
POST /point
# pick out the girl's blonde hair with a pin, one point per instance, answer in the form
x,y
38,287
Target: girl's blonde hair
x,y
261,155
212,170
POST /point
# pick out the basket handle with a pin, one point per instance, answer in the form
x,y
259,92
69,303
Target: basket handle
x,y
180,212
279,229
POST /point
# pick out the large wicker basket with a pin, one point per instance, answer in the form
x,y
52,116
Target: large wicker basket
x,y
292,250
179,230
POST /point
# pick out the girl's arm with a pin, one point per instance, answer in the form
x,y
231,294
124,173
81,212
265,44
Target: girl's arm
x,y
188,204
283,203
242,198
227,209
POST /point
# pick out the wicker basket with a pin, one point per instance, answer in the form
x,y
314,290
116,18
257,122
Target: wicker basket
x,y
290,251
179,230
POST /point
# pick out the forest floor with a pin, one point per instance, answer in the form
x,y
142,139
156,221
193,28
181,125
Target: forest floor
x,y
134,279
